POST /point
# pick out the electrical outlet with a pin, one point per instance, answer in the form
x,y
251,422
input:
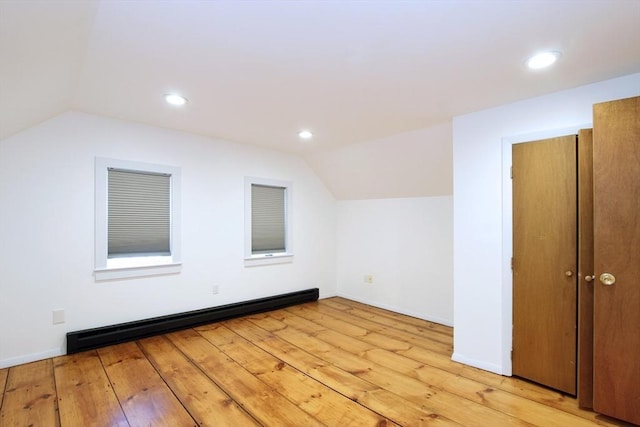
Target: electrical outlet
x,y
58,316
215,289
368,278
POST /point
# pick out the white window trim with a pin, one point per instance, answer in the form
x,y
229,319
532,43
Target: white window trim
x,y
250,259
110,269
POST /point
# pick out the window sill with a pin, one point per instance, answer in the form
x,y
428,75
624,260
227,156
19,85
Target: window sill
x,y
268,259
112,273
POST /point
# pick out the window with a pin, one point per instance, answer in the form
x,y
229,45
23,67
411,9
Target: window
x,y
138,211
268,238
137,219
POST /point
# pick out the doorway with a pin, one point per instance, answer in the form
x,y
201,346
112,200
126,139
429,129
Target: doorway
x,y
507,233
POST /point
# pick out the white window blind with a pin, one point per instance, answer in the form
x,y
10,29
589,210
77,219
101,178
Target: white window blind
x,y
268,219
139,213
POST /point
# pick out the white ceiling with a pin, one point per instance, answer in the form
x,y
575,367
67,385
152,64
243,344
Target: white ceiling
x,y
258,71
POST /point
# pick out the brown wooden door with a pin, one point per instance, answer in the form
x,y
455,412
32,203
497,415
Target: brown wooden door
x,y
545,261
585,268
616,180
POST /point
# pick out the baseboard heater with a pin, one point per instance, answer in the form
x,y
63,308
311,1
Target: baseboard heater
x,y
108,335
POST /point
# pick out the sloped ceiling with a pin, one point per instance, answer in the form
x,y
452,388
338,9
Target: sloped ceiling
x,y
43,46
378,81
258,71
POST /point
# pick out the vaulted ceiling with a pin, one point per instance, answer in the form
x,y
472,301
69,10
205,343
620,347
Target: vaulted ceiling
x,y
258,71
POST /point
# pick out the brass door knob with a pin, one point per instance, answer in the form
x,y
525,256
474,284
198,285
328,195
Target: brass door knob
x,y
568,273
589,278
607,279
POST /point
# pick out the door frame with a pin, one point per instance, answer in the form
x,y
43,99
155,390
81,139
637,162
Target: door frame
x,y
507,232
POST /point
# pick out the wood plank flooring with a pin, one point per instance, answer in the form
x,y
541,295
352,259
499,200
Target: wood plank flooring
x,y
333,362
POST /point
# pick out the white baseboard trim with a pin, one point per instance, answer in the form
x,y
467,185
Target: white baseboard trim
x,y
433,319
496,369
327,295
28,358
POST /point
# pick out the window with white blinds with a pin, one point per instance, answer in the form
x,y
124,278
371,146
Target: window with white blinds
x,y
137,224
139,212
268,231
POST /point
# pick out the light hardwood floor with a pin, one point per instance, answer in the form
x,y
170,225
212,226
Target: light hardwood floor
x,y
334,362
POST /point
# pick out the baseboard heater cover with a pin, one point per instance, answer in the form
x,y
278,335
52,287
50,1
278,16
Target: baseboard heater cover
x,y
108,335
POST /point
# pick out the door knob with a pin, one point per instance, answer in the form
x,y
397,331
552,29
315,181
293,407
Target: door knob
x,y
568,273
589,278
607,279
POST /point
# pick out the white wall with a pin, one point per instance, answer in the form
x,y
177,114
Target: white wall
x,y
482,276
406,244
47,230
395,220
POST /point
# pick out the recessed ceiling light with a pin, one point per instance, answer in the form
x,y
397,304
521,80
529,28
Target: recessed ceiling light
x,y
175,99
542,60
305,134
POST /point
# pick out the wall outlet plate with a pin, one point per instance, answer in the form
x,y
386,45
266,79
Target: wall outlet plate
x,y
58,316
